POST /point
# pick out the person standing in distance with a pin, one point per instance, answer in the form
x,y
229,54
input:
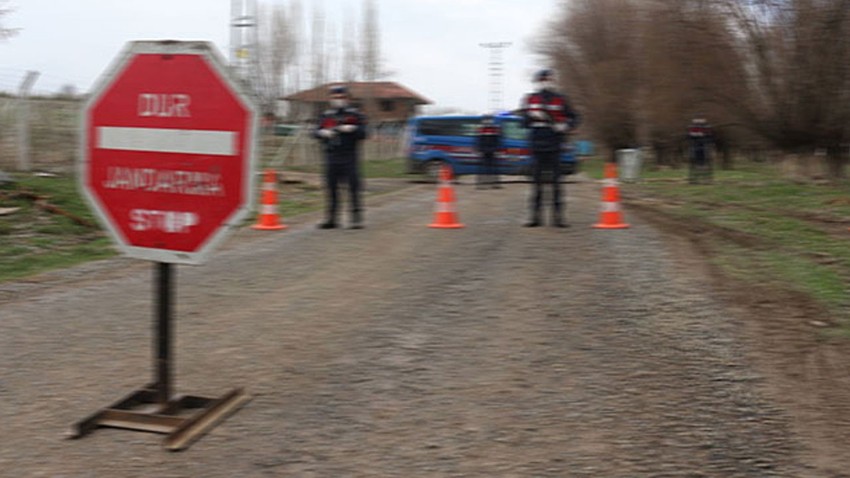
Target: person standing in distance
x,y
549,117
340,129
488,143
701,138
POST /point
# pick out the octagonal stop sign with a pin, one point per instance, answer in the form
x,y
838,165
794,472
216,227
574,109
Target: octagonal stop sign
x,y
168,147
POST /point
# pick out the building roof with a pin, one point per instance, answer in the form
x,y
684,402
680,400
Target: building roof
x,y
359,90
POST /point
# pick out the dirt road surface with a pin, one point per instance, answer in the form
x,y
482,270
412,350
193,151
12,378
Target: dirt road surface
x,y
405,351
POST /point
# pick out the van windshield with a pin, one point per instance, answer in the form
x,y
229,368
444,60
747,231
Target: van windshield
x,y
512,129
448,127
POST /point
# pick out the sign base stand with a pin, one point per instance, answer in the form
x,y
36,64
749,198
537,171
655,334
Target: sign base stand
x,y
152,409
184,419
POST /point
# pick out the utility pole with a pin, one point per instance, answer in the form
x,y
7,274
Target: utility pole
x,y
496,69
243,40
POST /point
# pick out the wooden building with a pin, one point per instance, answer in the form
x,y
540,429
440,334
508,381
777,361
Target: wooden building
x,y
381,101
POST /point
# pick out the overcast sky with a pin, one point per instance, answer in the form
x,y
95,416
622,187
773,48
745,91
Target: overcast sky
x,y
431,46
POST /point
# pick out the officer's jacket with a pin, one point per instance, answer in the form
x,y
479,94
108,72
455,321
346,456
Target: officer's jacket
x,y
700,135
556,109
489,138
343,146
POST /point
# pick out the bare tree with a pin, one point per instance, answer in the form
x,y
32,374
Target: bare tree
x,y
689,61
592,45
799,75
318,55
298,52
276,51
5,32
350,52
333,55
371,54
642,68
296,28
67,91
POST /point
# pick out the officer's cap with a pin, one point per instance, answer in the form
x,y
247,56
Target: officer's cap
x,y
339,90
543,75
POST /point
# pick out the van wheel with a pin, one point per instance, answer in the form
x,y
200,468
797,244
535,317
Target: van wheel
x,y
432,169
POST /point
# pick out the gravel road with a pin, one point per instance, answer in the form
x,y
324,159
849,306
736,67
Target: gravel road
x,y
405,351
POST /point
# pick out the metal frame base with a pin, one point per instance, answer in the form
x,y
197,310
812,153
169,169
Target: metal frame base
x,y
184,418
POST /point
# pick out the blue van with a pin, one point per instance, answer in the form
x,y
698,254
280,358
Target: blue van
x,y
433,141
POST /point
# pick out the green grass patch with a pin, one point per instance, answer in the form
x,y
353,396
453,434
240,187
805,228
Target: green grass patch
x,y
306,200
37,260
296,199
33,240
385,168
371,169
790,235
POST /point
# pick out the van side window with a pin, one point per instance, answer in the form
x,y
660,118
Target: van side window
x,y
513,130
448,127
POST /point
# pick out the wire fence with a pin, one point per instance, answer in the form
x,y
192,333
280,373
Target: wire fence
x,y
298,149
51,142
54,129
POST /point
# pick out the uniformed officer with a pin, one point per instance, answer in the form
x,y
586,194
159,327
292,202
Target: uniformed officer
x,y
549,116
340,129
488,143
700,137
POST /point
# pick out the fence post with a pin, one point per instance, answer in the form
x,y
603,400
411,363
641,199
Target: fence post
x,y
24,120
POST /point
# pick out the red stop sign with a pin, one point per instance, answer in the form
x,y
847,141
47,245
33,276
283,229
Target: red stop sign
x,y
168,151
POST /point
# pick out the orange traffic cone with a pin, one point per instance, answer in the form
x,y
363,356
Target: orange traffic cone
x,y
445,215
269,219
611,216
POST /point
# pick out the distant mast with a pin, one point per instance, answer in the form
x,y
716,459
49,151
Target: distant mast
x,y
496,71
243,41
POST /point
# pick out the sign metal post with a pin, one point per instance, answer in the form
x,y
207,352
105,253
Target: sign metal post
x,y
167,164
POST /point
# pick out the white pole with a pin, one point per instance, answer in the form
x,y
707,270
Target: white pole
x,y
24,120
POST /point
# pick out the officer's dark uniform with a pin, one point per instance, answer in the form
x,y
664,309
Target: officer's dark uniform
x,y
488,144
700,138
549,116
341,130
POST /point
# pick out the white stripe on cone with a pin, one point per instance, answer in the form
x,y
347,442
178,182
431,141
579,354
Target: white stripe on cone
x,y
268,209
445,207
610,206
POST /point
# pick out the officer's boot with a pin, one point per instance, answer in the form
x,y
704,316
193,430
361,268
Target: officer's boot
x,y
356,220
535,220
558,217
329,223
558,220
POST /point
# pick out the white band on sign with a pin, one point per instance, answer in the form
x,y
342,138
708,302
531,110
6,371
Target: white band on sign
x,y
157,140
